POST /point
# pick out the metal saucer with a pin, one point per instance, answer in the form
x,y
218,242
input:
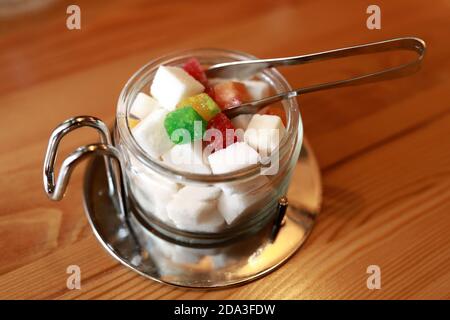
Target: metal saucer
x,y
231,264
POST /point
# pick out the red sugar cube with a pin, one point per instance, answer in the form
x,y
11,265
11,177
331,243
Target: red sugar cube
x,y
193,67
222,123
230,93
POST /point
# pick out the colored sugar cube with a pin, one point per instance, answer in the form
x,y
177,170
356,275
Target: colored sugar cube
x,y
193,67
256,89
203,104
264,133
132,122
172,84
143,105
210,91
225,135
184,125
230,93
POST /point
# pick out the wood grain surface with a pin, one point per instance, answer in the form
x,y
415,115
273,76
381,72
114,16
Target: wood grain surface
x,y
384,149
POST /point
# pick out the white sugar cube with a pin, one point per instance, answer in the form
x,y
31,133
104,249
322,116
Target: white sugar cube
x,y
255,184
149,178
199,193
153,203
172,84
234,206
143,105
237,198
176,253
257,89
151,134
185,255
264,133
236,156
241,121
231,206
212,223
189,211
153,192
187,157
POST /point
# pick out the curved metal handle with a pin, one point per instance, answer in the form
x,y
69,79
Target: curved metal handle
x,y
55,191
409,43
74,158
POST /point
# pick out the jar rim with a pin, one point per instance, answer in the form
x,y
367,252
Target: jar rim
x,y
294,127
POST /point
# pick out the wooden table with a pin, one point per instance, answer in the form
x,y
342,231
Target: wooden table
x,y
384,149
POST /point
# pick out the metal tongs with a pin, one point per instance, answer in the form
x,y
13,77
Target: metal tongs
x,y
247,68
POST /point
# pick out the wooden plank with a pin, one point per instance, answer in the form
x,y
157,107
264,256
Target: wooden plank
x,y
382,147
370,205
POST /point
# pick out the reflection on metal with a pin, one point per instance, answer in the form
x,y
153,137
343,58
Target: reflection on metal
x,y
223,265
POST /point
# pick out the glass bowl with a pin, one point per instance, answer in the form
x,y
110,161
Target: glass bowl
x,y
150,183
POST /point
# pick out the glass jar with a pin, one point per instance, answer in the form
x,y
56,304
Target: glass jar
x,y
150,184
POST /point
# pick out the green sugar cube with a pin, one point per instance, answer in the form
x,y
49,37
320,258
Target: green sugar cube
x,y
184,125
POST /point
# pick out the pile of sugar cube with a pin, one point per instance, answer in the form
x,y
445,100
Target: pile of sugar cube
x,y
181,124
